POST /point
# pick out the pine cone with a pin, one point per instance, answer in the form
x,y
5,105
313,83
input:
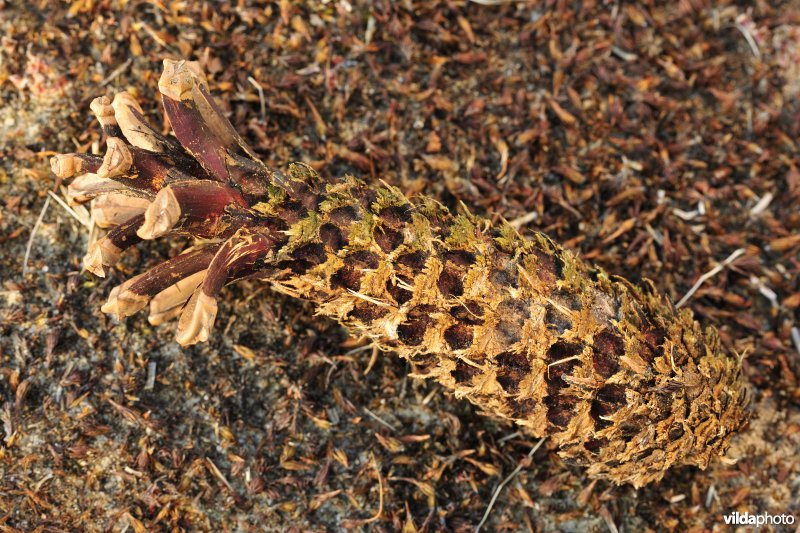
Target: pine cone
x,y
613,374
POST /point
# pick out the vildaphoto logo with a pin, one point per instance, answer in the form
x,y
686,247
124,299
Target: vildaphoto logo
x,y
763,519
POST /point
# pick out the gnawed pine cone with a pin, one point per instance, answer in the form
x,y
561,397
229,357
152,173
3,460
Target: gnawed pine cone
x,y
619,379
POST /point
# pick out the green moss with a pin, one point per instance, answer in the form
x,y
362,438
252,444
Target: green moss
x,y
339,194
388,197
361,232
429,207
462,232
421,232
574,278
304,230
276,197
509,239
303,173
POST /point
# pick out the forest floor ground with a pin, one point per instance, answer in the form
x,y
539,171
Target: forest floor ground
x,y
653,141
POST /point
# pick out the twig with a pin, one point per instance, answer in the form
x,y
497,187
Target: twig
x,y
564,360
380,496
368,298
762,204
609,520
260,90
766,292
218,474
509,437
503,483
710,274
33,235
151,376
711,495
524,219
372,359
379,419
41,482
358,349
85,223
116,72
623,55
751,42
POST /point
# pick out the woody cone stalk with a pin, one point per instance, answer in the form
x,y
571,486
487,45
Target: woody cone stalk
x,y
621,381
